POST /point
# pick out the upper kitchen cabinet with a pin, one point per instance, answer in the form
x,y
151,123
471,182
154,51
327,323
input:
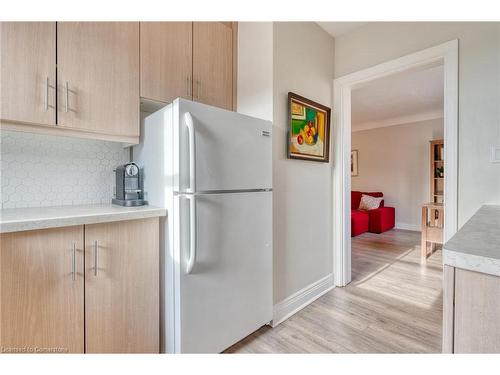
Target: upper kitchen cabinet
x,y
98,77
28,72
213,63
192,60
166,60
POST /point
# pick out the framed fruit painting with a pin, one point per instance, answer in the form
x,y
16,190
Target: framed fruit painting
x,y
308,129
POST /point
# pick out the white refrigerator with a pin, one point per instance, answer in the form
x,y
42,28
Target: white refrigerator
x,y
212,170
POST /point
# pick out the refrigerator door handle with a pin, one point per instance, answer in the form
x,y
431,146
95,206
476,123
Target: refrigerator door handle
x,y
192,152
192,233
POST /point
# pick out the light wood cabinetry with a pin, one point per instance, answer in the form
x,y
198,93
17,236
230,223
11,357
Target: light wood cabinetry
x,y
477,312
28,72
42,282
448,308
49,288
98,77
104,68
193,60
166,60
471,313
121,287
213,64
97,84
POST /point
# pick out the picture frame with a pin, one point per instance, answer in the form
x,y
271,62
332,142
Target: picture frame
x,y
354,163
308,129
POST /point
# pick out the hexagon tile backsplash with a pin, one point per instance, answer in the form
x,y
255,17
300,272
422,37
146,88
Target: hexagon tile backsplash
x,y
41,170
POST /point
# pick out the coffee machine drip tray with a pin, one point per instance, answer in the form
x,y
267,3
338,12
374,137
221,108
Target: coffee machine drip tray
x,y
129,202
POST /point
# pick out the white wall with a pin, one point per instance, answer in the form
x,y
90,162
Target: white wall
x,y
274,59
44,170
255,69
395,161
479,91
303,63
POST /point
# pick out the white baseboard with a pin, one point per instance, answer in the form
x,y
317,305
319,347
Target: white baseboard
x,y
297,301
406,226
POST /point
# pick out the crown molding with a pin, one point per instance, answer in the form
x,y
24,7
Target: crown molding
x,y
400,120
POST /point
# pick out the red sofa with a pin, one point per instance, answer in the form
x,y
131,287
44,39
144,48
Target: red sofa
x,y
378,220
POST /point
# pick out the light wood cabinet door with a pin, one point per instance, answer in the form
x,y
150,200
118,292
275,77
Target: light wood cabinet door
x,y
122,287
98,77
477,312
166,60
448,308
41,300
28,72
213,64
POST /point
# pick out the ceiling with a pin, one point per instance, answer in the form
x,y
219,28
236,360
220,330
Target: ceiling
x,y
401,98
338,28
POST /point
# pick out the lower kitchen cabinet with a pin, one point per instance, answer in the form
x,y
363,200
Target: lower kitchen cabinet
x,y
87,288
41,286
121,287
471,311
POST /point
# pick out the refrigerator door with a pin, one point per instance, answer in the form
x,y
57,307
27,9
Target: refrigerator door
x,y
228,293
231,151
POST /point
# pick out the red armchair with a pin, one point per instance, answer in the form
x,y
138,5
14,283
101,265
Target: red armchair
x,y
382,219
360,222
378,220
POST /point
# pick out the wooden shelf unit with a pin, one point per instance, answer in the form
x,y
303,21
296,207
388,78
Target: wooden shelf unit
x,y
432,228
433,212
436,178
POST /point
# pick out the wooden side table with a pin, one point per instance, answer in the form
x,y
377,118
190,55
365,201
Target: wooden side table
x,y
432,228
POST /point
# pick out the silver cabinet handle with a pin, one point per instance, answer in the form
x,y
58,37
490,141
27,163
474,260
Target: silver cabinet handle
x,y
198,89
96,246
66,107
74,262
46,93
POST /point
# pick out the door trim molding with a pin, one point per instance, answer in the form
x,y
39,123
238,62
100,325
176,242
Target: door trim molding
x,y
445,54
297,301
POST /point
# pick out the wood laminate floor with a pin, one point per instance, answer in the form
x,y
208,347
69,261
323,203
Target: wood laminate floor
x,y
392,305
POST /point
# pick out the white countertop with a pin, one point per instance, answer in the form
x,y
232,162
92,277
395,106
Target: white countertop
x,y
20,219
476,246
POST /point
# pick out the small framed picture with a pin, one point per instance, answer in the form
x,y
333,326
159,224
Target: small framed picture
x,y
354,163
308,129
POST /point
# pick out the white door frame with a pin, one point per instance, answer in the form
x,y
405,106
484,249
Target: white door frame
x,y
445,54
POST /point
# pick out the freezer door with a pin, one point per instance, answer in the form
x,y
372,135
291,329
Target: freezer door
x,y
228,293
232,151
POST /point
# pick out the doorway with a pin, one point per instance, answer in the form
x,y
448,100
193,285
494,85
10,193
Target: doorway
x,y
445,54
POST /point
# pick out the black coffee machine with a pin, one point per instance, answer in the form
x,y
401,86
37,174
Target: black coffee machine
x,y
129,191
